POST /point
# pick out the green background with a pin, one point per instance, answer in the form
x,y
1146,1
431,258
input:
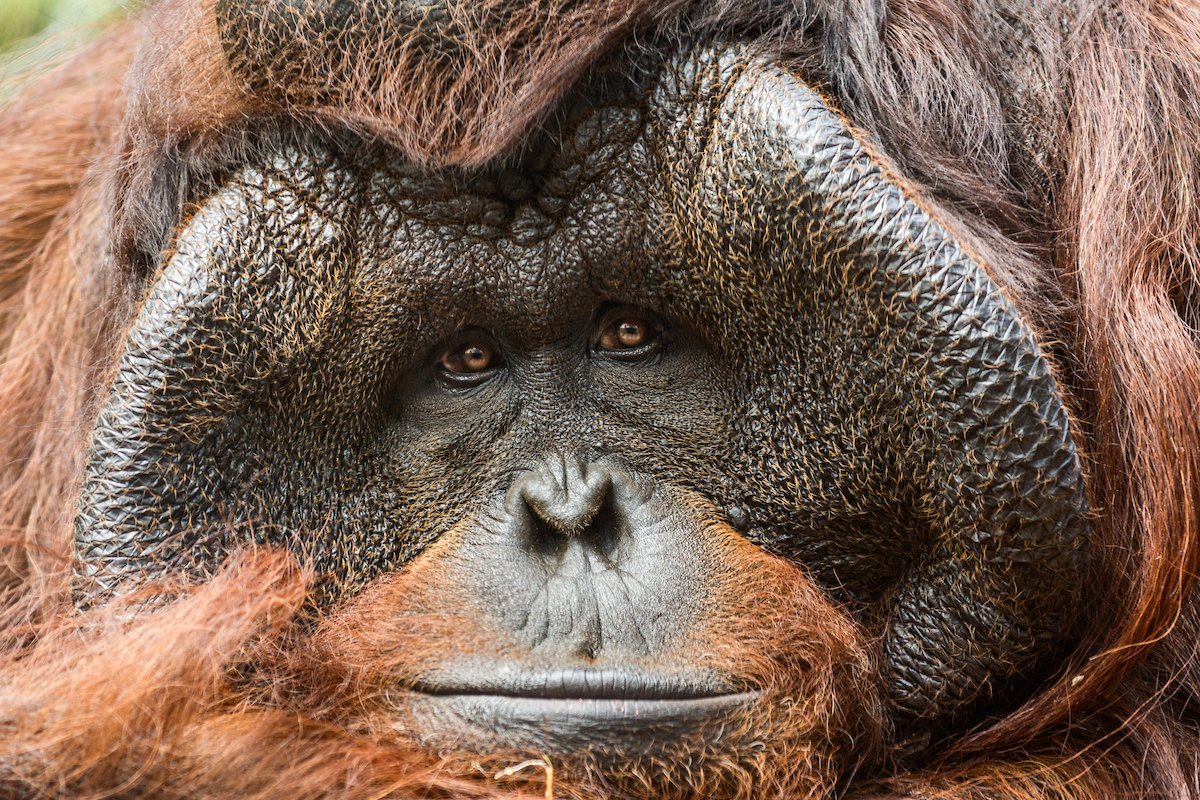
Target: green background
x,y
33,32
22,19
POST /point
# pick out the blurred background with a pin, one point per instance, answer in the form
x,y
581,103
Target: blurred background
x,y
34,31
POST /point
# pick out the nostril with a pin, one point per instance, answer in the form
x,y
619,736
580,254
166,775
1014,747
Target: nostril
x,y
545,541
573,516
568,501
600,537
603,535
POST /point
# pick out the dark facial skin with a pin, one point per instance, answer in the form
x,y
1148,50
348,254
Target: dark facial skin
x,y
696,305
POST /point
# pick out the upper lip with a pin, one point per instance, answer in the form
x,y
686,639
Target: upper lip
x,y
575,684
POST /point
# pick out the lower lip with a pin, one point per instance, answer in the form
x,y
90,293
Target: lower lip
x,y
633,712
463,719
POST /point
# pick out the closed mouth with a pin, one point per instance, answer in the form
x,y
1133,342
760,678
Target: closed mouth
x,y
576,684
498,708
562,703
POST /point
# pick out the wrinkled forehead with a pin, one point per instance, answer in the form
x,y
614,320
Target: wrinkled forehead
x,y
533,244
530,249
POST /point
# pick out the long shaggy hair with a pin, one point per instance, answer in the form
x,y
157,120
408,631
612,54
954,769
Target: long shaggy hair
x,y
1064,136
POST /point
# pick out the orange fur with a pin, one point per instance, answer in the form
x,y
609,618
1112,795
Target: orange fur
x,y
1101,230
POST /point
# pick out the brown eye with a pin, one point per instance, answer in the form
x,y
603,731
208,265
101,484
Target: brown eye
x,y
628,334
469,361
470,357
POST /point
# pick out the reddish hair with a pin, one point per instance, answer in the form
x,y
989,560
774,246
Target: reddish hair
x,y
1069,147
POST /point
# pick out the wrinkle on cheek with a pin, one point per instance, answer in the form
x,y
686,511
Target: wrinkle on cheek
x,y
229,315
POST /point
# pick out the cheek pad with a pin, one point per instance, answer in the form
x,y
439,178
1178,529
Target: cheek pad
x,y
917,382
257,278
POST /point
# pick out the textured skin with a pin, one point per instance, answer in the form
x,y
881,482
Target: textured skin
x,y
846,376
949,407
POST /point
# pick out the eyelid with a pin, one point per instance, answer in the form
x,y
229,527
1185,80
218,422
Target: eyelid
x,y
466,380
607,318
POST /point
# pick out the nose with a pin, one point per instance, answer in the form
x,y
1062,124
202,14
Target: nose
x,y
574,561
566,494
